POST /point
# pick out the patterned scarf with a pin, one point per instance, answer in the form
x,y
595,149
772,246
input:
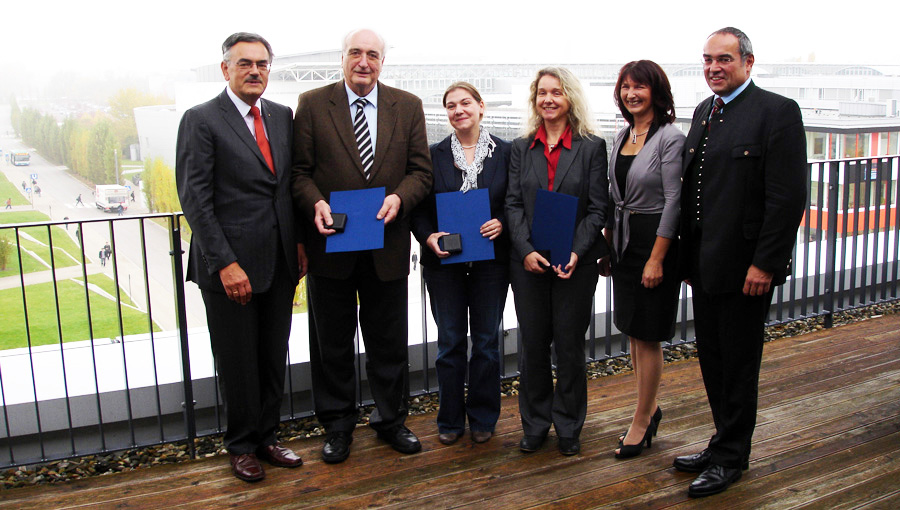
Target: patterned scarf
x,y
484,148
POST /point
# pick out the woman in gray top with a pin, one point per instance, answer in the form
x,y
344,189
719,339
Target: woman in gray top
x,y
645,190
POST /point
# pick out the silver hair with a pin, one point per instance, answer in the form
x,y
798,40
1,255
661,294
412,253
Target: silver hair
x,y
350,34
744,45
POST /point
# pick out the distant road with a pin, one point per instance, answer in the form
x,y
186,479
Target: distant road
x,y
58,192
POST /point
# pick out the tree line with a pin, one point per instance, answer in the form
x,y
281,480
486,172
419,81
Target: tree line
x,y
85,144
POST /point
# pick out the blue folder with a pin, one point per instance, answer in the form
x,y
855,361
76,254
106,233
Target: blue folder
x,y
553,225
464,214
363,231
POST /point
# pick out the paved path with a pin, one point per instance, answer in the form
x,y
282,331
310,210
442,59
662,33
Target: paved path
x,y
59,189
65,273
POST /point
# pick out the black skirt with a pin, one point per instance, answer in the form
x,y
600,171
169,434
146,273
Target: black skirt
x,y
642,313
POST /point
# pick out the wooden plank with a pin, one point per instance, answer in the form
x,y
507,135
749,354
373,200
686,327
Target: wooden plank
x,y
827,399
888,502
564,474
620,493
783,472
767,475
871,479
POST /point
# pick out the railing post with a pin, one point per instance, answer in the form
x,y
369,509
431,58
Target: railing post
x,y
190,422
831,236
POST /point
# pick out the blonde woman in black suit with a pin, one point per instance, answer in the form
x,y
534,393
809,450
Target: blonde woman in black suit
x,y
553,303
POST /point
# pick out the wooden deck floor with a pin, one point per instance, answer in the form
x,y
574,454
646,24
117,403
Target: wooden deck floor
x,y
828,436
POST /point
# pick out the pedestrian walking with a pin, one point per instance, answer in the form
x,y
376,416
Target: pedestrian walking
x,y
78,201
9,203
102,256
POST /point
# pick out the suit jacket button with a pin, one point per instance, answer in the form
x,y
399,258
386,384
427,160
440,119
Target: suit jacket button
x,y
746,153
691,151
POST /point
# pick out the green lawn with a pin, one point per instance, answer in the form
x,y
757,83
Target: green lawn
x,y
10,190
66,252
42,316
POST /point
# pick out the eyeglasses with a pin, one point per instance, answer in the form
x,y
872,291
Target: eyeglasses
x,y
246,65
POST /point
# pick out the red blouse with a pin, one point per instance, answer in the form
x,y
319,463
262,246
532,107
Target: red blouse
x,y
552,155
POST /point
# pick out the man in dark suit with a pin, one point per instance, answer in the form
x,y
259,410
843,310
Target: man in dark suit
x,y
233,176
336,128
743,197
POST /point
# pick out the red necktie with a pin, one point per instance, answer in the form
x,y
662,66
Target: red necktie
x,y
717,107
261,139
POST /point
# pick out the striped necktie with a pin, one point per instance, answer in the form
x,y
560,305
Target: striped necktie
x,y
363,140
718,104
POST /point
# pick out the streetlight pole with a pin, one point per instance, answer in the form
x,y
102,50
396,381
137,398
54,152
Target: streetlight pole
x,y
116,170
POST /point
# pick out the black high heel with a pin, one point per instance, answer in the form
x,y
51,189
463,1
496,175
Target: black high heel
x,y
633,450
655,419
654,422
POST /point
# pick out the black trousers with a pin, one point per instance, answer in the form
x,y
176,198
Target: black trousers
x,y
553,312
249,343
383,321
730,329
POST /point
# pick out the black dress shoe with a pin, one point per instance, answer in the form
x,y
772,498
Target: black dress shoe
x,y
694,463
247,467
530,444
713,480
401,439
569,445
449,438
337,447
697,462
279,456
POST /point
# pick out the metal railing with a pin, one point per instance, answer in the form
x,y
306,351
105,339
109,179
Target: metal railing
x,y
115,356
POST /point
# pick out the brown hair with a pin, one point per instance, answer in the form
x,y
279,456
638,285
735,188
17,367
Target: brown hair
x,y
648,73
468,87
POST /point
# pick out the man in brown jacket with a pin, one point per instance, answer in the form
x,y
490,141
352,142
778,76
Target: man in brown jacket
x,y
351,135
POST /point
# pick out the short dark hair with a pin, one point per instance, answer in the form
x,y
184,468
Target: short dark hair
x,y
239,37
744,45
647,72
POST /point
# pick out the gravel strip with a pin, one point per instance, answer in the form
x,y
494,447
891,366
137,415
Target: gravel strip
x,y
208,446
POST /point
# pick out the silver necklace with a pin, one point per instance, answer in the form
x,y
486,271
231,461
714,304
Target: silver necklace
x,y
635,135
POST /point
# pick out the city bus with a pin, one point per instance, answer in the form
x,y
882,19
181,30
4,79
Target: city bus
x,y
20,158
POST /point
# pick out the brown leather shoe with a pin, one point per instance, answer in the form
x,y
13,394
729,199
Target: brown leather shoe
x,y
279,456
449,438
481,436
247,467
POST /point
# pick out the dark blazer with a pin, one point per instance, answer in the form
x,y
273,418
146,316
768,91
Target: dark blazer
x,y
237,210
755,168
326,159
581,172
449,178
